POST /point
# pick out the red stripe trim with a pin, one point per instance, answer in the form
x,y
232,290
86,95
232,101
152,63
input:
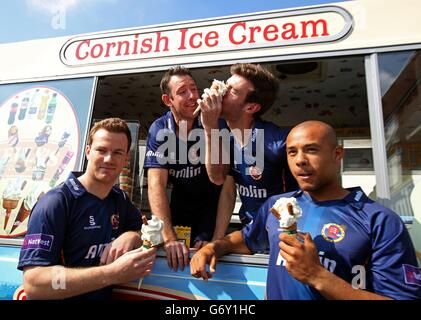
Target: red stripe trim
x,y
163,294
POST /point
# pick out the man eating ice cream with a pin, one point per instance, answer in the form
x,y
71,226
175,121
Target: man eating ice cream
x,y
352,248
251,91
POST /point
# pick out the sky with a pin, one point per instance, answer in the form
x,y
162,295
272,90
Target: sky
x,y
22,20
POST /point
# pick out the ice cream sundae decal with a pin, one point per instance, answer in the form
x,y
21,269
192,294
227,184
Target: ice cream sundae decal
x,y
11,196
28,203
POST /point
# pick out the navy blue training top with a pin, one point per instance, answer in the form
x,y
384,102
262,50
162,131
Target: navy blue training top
x,y
69,226
260,169
357,239
194,198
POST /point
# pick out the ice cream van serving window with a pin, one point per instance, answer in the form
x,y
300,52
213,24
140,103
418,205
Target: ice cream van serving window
x,y
358,156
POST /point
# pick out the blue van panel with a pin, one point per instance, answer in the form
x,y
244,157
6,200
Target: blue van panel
x,y
11,278
231,281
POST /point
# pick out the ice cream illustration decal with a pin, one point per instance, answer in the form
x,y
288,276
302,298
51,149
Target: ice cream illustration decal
x,y
40,165
151,235
28,203
11,197
13,136
287,211
219,86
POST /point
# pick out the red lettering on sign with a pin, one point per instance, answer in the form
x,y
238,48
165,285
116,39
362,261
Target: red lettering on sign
x,y
159,41
183,39
270,33
314,24
98,52
78,56
213,35
198,43
146,45
233,29
289,29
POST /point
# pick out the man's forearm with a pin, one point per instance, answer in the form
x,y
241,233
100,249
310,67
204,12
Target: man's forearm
x,y
335,288
231,243
225,208
222,221
160,206
214,160
58,282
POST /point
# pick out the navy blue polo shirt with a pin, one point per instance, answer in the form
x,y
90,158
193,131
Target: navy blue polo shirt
x,y
260,168
194,198
69,226
357,239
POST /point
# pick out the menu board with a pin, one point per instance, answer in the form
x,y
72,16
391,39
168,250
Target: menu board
x,y
39,145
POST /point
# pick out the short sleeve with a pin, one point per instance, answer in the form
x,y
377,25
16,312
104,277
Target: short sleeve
x,y
155,154
394,265
43,242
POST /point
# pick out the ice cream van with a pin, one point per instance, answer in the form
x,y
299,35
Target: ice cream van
x,y
346,62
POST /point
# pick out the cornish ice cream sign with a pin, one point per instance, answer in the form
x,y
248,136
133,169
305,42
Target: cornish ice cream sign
x,y
255,31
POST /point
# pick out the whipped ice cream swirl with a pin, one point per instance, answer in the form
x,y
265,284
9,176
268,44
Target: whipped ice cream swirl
x,y
152,231
219,86
286,219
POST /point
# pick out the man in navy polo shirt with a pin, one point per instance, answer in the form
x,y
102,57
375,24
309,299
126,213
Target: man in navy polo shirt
x,y
258,168
83,235
172,155
350,246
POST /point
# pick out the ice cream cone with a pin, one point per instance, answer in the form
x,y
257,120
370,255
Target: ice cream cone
x,y
22,215
9,205
219,86
292,229
287,211
151,235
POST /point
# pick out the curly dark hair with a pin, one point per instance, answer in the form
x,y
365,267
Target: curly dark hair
x,y
264,82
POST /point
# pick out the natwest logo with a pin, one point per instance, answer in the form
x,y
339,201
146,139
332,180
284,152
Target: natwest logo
x,y
253,31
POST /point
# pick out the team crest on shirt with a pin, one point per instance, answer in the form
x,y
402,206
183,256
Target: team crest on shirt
x,y
333,232
115,221
255,172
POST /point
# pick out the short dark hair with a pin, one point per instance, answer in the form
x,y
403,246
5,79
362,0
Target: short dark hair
x,y
264,82
173,71
115,125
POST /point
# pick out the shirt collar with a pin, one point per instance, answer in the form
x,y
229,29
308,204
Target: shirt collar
x,y
77,189
171,125
355,198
